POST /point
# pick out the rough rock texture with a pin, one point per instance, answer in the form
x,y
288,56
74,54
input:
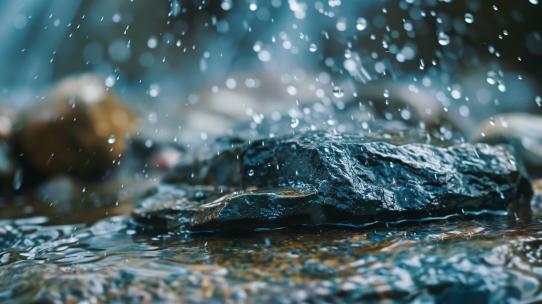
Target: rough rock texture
x,y
322,178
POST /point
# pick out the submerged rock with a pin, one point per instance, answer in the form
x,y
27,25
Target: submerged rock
x,y
319,178
80,130
521,130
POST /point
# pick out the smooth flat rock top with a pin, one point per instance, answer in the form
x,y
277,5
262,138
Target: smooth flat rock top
x,y
319,178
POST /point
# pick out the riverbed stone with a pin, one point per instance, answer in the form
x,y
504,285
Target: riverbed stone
x,y
320,178
81,129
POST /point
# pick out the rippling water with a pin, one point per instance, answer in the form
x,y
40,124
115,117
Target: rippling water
x,y
480,259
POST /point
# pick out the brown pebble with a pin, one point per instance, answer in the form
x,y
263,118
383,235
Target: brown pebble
x,y
80,129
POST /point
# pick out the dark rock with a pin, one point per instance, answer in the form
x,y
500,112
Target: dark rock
x,y
219,163
168,207
322,178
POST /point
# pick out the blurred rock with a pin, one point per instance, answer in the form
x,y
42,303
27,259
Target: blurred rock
x,y
154,155
81,129
7,121
319,178
399,101
10,173
521,130
402,102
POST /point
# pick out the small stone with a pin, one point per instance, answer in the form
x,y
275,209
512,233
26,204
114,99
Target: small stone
x,y
72,131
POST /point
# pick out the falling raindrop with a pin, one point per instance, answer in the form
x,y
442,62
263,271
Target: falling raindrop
x,y
338,92
443,39
538,101
386,93
469,18
110,81
152,42
334,3
361,24
226,5
294,123
17,179
250,172
154,90
175,8
313,48
111,140
491,78
341,25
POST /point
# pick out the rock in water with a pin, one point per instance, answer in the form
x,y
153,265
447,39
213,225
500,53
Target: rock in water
x,y
319,178
80,130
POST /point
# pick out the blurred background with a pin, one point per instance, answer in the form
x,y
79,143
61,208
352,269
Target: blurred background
x,y
189,66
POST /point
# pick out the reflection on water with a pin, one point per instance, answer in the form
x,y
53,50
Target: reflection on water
x,y
480,260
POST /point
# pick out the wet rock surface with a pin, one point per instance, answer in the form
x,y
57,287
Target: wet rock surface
x,y
320,178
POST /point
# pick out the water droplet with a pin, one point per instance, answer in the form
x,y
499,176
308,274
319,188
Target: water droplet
x,y
341,25
386,93
538,101
456,94
111,140
533,2
313,48
174,8
469,18
464,111
17,179
443,39
250,172
334,3
226,5
338,92
154,90
152,42
110,81
116,19
295,123
361,24
491,78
